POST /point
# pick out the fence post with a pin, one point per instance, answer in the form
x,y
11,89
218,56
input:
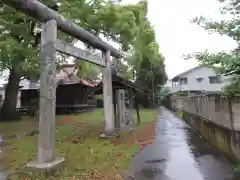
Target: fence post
x,y
231,119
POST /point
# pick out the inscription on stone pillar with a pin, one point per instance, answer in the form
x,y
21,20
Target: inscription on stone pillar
x,y
47,92
107,93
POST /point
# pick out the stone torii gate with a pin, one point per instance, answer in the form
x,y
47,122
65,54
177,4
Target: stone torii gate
x,y
51,22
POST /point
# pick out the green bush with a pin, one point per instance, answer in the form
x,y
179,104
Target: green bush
x,y
179,113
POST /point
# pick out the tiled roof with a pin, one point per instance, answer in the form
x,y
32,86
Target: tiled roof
x,y
67,75
88,83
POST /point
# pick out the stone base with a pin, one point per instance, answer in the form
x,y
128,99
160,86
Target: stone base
x,y
113,136
45,167
3,176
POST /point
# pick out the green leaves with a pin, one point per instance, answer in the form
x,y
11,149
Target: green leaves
x,y
231,26
122,69
224,62
114,21
19,36
227,27
146,58
17,42
126,25
88,71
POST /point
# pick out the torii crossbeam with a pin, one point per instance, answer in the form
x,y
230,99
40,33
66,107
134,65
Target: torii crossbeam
x,y
51,21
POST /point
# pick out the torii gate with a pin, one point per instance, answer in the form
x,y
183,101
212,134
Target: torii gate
x,y
51,21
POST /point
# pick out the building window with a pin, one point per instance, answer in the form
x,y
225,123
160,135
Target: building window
x,y
183,81
199,79
215,79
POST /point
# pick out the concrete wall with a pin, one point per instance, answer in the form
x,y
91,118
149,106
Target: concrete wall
x,y
212,108
211,116
204,85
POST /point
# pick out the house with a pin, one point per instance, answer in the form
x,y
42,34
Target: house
x,y
3,83
199,79
71,93
67,75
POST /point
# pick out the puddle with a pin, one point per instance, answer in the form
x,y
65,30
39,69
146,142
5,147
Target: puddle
x,y
178,153
154,161
150,172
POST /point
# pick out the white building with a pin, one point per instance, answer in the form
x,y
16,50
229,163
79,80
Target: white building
x,y
22,83
200,79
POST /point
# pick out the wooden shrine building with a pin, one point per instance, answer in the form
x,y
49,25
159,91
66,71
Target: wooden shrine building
x,y
71,94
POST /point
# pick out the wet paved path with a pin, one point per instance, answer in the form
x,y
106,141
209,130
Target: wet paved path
x,y
178,154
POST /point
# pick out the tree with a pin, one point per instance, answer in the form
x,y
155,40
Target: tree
x,y
162,93
18,43
88,71
147,62
100,17
114,21
224,62
122,68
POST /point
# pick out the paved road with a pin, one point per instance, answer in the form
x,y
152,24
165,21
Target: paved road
x,y
178,154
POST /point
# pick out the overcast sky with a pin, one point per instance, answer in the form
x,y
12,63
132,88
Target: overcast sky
x,y
177,36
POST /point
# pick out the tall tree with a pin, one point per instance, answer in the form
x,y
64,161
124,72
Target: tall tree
x,y
147,62
224,62
18,41
227,62
20,37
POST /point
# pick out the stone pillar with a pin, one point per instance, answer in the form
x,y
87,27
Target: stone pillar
x,y
47,92
115,109
121,109
46,141
109,128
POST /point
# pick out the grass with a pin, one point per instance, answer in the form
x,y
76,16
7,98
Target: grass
x,y
77,140
236,169
17,127
179,113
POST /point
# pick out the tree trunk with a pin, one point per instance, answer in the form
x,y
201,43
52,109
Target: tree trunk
x,y
8,111
137,109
